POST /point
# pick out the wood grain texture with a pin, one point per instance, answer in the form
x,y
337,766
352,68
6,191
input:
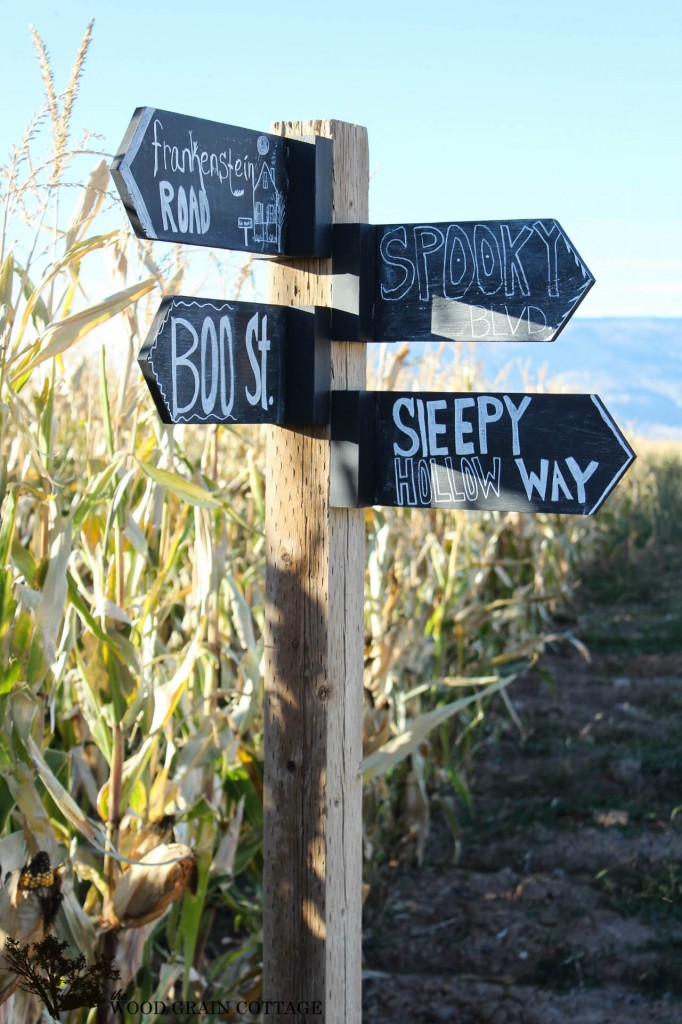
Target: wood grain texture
x,y
313,669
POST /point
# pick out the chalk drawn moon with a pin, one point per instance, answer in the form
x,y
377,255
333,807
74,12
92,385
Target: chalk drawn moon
x,y
263,145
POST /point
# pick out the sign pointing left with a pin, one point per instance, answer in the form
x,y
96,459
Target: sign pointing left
x,y
207,361
184,179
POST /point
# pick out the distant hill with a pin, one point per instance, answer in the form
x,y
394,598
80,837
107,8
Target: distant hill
x,y
633,364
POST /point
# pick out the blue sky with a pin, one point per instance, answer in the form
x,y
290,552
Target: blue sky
x,y
478,110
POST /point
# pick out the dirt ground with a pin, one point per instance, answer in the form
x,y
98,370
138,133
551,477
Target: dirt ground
x,y
563,900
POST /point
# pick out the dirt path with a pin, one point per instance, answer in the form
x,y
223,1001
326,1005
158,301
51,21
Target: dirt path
x,y
566,903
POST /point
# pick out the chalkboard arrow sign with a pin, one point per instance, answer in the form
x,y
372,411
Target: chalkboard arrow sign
x,y
238,362
184,179
505,452
513,280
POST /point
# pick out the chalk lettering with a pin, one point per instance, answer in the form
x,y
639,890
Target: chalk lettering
x,y
581,476
542,453
489,267
193,215
469,477
552,255
560,488
203,381
397,237
489,479
459,267
435,428
513,267
226,346
208,334
178,361
496,321
559,484
463,426
427,240
424,480
183,219
489,411
260,370
408,405
423,423
177,171
516,414
443,479
211,377
475,281
537,321
166,193
433,482
404,482
464,258
156,145
422,427
531,481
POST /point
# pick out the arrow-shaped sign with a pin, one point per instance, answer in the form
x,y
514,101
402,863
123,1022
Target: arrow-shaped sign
x,y
238,362
512,280
506,452
184,179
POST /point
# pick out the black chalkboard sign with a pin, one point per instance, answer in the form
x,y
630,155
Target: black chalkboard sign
x,y
506,452
512,280
238,362
184,179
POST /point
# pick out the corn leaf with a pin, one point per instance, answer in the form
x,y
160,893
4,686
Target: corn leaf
x,y
64,334
7,532
400,747
65,802
49,614
23,789
40,314
190,492
6,281
223,861
167,695
33,294
97,488
242,618
91,198
91,709
104,402
116,643
13,851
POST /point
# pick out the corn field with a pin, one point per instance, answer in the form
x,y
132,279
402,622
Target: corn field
x,y
131,619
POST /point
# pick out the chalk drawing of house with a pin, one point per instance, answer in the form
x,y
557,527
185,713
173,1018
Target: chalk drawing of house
x,y
268,208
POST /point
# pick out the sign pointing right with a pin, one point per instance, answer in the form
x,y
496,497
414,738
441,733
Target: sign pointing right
x,y
509,280
504,452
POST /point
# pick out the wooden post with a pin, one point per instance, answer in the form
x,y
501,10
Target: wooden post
x,y
313,672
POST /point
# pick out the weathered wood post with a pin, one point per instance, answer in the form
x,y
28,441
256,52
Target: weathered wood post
x,y
313,670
